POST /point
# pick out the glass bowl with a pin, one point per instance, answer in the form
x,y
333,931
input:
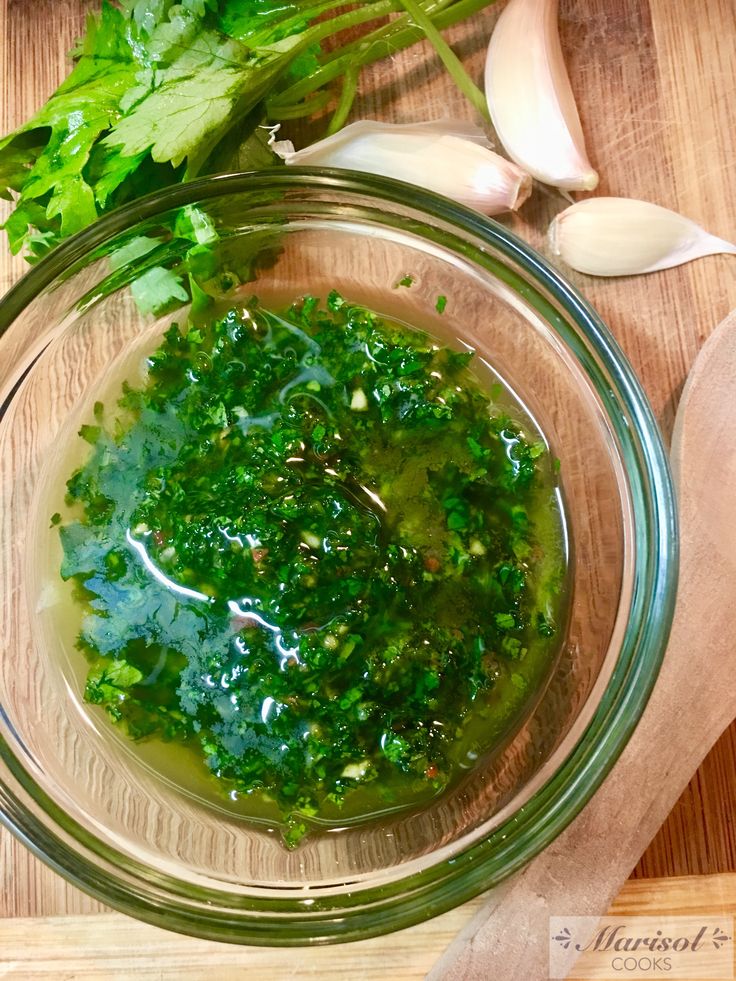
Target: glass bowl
x,y
94,811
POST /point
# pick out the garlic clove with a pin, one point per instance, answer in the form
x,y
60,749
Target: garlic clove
x,y
624,237
364,127
453,159
530,98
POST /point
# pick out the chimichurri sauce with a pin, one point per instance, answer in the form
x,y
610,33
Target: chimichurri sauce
x,y
311,547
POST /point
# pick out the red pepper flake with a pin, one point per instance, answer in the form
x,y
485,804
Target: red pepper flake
x,y
431,772
432,564
246,625
258,554
159,539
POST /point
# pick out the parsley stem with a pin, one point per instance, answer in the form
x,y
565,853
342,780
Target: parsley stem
x,y
450,60
314,103
341,22
294,23
347,97
358,52
374,46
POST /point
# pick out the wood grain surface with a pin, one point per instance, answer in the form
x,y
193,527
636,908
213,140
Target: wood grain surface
x,y
656,88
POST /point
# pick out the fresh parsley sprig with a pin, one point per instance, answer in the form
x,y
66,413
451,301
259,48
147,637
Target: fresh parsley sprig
x,y
162,92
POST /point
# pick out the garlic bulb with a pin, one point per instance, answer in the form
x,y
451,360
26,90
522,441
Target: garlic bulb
x,y
530,99
623,236
454,159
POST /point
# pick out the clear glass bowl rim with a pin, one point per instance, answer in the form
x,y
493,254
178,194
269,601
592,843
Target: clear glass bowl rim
x,y
112,878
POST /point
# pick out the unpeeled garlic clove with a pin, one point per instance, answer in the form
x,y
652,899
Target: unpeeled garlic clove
x,y
530,99
624,236
453,159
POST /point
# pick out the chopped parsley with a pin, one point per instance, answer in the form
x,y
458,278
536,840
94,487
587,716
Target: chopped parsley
x,y
309,548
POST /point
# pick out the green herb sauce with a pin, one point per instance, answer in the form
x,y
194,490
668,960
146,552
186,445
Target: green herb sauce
x,y
311,548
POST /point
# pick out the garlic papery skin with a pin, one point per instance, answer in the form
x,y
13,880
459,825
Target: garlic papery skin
x,y
530,99
625,237
453,159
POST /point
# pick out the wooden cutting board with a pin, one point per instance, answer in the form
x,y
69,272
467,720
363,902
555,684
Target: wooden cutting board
x,y
112,947
656,87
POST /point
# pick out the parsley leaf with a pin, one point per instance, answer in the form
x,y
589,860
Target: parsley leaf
x,y
158,289
53,148
192,103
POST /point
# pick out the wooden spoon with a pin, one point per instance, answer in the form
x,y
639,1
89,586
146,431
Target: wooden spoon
x,y
693,701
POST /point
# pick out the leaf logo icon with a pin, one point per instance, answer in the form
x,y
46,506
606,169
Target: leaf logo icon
x,y
564,938
719,938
